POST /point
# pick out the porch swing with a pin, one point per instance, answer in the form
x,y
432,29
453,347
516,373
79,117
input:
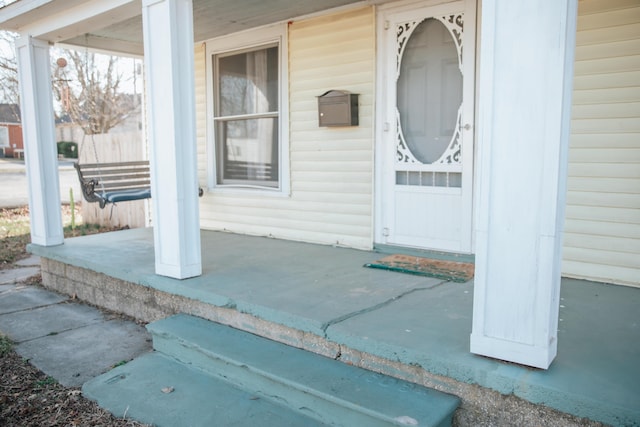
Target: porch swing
x,y
110,183
114,182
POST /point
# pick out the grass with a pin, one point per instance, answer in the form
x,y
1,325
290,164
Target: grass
x,y
14,235
45,382
15,232
120,363
5,345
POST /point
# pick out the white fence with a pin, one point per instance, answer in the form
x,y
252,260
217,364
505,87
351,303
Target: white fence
x,y
116,147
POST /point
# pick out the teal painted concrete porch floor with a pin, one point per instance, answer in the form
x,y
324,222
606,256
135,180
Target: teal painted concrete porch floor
x,y
413,320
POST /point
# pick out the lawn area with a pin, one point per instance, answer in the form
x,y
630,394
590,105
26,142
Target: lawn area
x,y
15,231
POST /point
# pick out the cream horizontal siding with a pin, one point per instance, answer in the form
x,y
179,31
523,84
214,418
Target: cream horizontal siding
x,y
331,169
576,199
605,65
625,110
618,80
201,112
628,94
599,213
592,140
604,170
593,270
602,228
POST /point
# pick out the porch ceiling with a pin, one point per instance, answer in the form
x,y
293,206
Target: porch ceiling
x,y
120,30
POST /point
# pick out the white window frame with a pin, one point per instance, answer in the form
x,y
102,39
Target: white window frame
x,y
5,131
243,41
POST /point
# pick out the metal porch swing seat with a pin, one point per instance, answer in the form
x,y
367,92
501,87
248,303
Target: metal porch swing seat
x,y
114,182
106,183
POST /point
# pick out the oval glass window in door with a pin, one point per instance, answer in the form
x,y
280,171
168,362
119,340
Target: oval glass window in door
x,y
429,94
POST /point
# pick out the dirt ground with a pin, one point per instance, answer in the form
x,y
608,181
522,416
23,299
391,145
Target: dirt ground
x,y
28,397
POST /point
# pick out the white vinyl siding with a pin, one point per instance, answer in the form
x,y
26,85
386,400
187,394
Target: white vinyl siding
x,y
602,229
201,112
331,169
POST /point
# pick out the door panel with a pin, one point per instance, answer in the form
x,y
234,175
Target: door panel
x,y
441,227
427,165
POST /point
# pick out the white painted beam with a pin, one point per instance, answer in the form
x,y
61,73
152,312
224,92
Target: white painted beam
x,y
72,21
41,157
15,15
169,64
525,81
104,45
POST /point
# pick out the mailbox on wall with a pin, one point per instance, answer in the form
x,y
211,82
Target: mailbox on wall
x,y
338,108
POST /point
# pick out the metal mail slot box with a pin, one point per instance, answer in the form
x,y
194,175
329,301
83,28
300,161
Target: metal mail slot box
x,y
338,108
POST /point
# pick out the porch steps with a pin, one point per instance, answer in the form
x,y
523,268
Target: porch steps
x,y
220,376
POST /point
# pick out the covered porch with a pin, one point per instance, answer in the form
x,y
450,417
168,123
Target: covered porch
x,y
515,312
322,299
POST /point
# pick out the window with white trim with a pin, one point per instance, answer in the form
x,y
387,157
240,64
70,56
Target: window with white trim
x,y
247,85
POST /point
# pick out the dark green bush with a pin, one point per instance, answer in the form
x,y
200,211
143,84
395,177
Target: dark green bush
x,y
68,149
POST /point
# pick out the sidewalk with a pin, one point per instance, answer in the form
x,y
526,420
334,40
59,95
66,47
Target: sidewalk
x,y
14,191
68,341
11,165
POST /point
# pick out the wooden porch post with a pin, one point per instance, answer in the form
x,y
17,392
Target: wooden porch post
x,y
169,64
41,159
525,81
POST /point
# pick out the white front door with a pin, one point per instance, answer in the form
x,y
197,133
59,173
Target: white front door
x,y
425,152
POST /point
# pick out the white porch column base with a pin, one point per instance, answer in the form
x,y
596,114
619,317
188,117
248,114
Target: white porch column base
x,y
169,63
525,81
41,157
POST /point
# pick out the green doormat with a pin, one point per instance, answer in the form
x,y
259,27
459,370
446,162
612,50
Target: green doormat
x,y
449,270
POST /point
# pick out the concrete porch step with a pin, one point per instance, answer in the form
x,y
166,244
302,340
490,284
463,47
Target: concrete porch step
x,y
157,390
314,389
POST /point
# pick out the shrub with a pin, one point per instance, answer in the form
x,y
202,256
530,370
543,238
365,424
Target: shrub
x,y
68,149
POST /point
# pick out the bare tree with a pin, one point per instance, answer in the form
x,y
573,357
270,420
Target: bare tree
x,y
88,89
9,92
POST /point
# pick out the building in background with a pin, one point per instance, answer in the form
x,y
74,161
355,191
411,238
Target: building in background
x,y
10,131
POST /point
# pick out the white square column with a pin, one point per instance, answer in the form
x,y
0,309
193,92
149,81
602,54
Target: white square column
x,y
40,152
524,105
169,64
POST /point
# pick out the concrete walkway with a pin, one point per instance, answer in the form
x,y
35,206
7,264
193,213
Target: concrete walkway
x,y
68,341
